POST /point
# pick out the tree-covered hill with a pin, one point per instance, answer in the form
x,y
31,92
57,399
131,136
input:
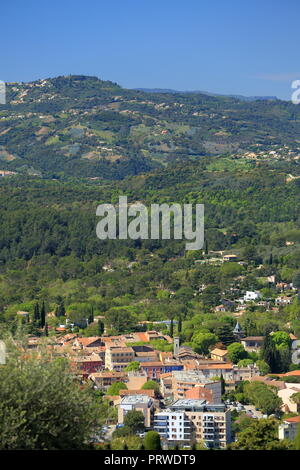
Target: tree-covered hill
x,y
85,127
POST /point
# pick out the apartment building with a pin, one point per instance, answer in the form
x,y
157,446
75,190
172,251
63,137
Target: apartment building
x,y
174,426
142,403
230,372
105,379
184,381
188,421
117,358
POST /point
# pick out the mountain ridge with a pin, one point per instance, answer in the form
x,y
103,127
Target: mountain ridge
x,y
82,126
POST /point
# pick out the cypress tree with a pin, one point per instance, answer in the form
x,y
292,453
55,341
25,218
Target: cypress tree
x,y
60,310
225,334
43,316
222,384
179,324
171,328
100,328
270,354
36,313
91,317
46,330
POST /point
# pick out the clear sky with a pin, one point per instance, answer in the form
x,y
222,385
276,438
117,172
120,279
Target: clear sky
x,y
248,47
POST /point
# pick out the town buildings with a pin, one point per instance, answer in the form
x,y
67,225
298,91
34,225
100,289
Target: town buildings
x,y
189,420
289,428
139,402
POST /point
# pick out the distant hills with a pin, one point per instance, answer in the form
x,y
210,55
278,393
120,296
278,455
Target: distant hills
x,y
238,97
81,126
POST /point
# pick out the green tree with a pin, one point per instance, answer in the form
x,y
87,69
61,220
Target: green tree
x,y
60,309
236,352
36,314
179,326
222,384
202,341
133,366
115,388
245,362
100,328
225,334
296,280
269,353
297,439
172,328
43,315
119,320
262,396
151,385
135,421
263,367
259,435
295,398
152,441
39,404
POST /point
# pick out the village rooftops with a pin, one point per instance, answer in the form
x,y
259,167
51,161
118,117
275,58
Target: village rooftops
x,y
253,338
292,373
150,393
219,352
89,340
189,404
294,419
191,376
107,374
120,349
135,399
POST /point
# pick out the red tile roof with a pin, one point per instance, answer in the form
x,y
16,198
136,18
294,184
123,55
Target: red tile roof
x,y
294,419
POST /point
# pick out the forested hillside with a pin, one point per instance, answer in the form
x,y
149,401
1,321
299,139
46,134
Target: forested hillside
x,y
85,127
49,250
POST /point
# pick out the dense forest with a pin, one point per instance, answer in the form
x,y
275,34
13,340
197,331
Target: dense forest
x,y
49,251
75,142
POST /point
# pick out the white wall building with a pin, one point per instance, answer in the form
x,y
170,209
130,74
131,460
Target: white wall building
x,y
252,296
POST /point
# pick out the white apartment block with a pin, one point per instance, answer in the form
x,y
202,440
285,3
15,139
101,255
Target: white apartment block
x,y
189,421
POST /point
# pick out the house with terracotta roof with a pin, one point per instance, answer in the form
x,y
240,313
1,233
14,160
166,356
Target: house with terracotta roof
x,y
118,358
289,428
89,342
89,364
219,354
105,379
252,343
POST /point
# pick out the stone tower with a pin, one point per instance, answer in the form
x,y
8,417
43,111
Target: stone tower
x,y
176,342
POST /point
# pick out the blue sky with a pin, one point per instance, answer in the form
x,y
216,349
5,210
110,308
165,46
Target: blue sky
x,y
248,47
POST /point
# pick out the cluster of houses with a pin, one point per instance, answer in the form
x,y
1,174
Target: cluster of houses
x,y
188,407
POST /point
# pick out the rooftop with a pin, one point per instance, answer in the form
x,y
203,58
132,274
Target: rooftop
x,y
294,419
135,399
196,404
